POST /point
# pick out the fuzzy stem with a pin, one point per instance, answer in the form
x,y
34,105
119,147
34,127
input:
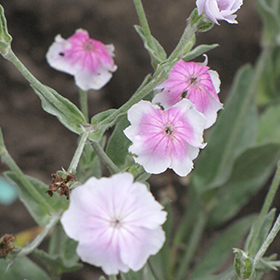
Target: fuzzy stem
x,y
83,96
143,20
272,234
76,158
104,158
192,246
37,241
266,206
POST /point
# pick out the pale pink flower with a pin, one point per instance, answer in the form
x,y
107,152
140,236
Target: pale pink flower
x,y
116,221
193,81
219,9
88,60
165,139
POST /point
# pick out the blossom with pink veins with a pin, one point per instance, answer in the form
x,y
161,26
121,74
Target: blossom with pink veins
x,y
219,9
165,139
193,81
116,221
88,60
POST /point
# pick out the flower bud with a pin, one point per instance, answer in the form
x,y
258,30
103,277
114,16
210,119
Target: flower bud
x,y
243,264
5,37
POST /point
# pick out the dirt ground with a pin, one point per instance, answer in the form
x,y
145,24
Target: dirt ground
x,y
38,142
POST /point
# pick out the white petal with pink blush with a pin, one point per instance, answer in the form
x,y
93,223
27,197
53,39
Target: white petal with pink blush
x,y
108,217
88,60
195,82
165,139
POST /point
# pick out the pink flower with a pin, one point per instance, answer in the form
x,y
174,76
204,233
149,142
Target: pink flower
x,y
165,139
88,60
116,221
195,82
219,9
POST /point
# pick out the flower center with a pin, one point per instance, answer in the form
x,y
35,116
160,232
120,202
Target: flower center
x,y
193,80
88,46
169,128
116,223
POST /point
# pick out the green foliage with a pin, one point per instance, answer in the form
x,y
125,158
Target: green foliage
x,y
234,130
201,22
199,50
253,242
117,148
22,268
250,172
38,203
89,165
5,37
154,48
269,10
62,256
221,249
55,104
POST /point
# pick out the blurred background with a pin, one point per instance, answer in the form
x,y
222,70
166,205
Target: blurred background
x,y
37,141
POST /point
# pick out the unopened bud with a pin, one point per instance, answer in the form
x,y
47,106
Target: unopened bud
x,y
243,264
5,37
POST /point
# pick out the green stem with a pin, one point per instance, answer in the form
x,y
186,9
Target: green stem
x,y
39,238
266,206
104,158
177,53
191,246
7,159
23,70
138,95
112,277
272,234
143,20
76,158
84,103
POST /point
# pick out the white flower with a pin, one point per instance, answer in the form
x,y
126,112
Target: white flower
x,y
116,221
219,9
165,139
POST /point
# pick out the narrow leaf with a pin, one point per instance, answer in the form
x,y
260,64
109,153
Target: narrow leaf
x,y
234,131
250,171
215,257
22,268
117,148
55,104
199,50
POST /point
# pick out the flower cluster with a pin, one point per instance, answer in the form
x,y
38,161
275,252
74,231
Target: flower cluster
x,y
168,132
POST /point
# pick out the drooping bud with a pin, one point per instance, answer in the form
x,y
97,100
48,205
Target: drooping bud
x,y
5,37
243,264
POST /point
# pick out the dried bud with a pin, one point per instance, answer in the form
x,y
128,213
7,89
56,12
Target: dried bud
x,y
59,183
5,244
243,264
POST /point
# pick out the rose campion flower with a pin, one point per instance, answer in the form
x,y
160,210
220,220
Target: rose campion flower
x,y
219,9
165,139
193,81
88,60
116,221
